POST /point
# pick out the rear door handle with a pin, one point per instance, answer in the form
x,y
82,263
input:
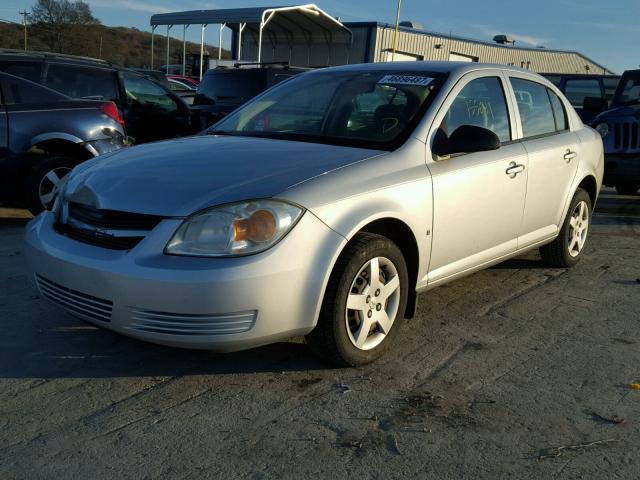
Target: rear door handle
x,y
514,169
570,156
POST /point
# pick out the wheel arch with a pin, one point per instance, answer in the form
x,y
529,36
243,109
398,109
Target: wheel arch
x,y
590,184
62,144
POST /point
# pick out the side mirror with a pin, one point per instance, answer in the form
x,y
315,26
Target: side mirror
x,y
594,104
465,139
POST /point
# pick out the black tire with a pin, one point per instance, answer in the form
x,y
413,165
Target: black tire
x,y
330,339
628,188
557,253
38,174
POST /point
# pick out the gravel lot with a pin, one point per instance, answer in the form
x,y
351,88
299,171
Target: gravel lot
x,y
497,372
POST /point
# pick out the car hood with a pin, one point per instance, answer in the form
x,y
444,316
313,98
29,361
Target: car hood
x,y
178,177
624,111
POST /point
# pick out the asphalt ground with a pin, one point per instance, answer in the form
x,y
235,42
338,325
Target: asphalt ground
x,y
519,371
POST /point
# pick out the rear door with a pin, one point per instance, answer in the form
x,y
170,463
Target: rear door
x,y
4,147
553,151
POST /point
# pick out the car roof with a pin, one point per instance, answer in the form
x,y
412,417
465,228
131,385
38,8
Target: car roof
x,y
458,68
9,54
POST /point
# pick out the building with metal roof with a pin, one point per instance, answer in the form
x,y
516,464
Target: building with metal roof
x,y
305,35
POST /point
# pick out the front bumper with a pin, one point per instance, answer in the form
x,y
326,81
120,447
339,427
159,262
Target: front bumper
x,y
621,169
222,304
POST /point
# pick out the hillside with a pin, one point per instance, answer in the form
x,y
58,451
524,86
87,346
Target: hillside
x,y
129,47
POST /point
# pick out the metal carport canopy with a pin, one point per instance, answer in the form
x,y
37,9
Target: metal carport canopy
x,y
307,20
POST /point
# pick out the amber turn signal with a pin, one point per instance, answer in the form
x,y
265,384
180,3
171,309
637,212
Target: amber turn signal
x,y
259,227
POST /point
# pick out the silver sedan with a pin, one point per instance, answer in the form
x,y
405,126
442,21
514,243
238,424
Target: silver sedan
x,y
321,208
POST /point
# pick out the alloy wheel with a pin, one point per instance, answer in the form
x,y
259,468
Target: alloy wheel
x,y
372,304
47,187
578,228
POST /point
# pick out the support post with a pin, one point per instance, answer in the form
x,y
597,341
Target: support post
x,y
153,30
204,27
222,25
240,29
184,49
168,38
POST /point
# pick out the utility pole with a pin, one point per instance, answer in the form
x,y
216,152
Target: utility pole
x,y
24,14
395,32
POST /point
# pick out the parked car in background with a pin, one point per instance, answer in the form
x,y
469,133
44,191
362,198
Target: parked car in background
x,y
589,94
150,110
185,94
620,130
321,207
188,82
44,134
222,89
184,87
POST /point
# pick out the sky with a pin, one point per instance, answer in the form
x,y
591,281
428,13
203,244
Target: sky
x,y
606,32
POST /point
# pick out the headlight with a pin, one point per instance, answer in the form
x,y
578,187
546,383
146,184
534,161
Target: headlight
x,y
602,128
234,229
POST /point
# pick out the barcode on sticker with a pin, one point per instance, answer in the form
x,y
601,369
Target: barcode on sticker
x,y
406,80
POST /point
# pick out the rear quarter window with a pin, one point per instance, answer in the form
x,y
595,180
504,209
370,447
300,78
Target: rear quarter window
x,y
18,92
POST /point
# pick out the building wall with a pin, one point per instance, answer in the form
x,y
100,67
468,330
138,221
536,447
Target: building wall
x,y
373,43
432,47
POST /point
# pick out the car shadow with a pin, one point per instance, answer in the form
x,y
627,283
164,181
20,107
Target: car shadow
x,y
78,350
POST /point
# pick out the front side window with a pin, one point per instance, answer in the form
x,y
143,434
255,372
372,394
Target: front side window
x,y
80,82
371,109
534,106
143,93
577,89
481,103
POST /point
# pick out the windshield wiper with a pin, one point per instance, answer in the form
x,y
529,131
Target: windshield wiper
x,y
221,132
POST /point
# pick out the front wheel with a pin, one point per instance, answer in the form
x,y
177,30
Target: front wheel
x,y
40,187
364,303
567,248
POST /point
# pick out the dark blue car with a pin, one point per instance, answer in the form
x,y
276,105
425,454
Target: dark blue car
x,y
620,130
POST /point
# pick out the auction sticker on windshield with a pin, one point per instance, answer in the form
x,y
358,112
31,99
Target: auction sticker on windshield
x,y
406,80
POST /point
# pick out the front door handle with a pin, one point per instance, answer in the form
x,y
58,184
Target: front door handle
x,y
570,156
514,169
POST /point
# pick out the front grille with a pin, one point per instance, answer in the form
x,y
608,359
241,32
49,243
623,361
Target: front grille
x,y
626,135
110,229
192,324
97,238
74,301
112,219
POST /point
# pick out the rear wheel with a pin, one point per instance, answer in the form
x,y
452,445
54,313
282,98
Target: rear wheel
x,y
566,249
364,303
41,183
628,188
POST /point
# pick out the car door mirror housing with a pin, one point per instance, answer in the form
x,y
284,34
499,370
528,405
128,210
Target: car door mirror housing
x,y
465,139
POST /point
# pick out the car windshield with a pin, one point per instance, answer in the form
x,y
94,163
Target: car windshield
x,y
370,109
628,91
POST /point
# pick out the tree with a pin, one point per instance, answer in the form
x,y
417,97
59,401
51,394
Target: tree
x,y
64,22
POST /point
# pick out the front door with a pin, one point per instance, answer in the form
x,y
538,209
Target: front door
x,y
478,198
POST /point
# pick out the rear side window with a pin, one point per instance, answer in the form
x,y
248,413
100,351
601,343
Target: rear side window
x,y
27,93
233,86
29,70
481,103
144,94
80,82
577,89
559,113
534,106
